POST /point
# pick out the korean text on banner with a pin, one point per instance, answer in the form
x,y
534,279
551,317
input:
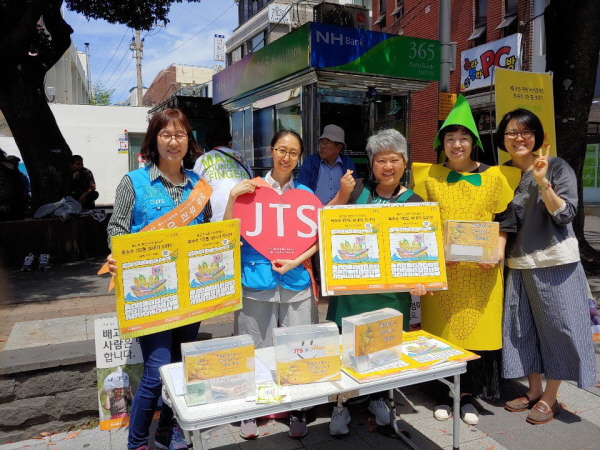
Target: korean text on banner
x,y
384,248
532,91
174,277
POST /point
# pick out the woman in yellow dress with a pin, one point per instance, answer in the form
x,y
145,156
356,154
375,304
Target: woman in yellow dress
x,y
469,313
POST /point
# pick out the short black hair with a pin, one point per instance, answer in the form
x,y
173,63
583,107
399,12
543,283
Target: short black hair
x,y
217,137
451,129
76,158
526,119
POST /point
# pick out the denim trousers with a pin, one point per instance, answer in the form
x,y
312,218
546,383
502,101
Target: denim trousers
x,y
158,349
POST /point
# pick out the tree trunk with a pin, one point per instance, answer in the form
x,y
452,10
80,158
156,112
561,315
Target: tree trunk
x,y
27,53
43,148
572,46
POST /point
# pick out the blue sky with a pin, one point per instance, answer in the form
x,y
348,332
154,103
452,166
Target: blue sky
x,y
186,39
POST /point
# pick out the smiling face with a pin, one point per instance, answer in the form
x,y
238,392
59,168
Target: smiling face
x,y
172,149
458,145
285,164
388,168
519,146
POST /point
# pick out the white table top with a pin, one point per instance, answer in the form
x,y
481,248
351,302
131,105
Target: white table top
x,y
213,414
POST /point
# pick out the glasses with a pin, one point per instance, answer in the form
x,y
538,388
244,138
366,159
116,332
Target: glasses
x,y
325,142
281,152
166,137
524,134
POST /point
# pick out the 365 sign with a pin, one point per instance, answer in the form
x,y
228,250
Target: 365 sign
x,y
278,226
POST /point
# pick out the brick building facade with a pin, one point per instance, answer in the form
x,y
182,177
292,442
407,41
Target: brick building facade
x,y
421,19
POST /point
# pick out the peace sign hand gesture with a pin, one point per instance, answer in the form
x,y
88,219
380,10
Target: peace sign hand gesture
x,y
540,166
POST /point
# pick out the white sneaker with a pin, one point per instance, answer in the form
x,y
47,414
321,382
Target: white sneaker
x,y
442,412
469,414
339,421
381,411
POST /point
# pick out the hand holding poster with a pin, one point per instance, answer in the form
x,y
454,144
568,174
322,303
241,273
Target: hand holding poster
x,y
169,278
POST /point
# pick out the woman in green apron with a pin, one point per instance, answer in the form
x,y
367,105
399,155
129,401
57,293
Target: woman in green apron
x,y
387,153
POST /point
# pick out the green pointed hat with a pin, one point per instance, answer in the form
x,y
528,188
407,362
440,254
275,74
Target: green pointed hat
x,y
460,115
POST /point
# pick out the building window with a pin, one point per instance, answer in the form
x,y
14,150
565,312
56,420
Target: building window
x,y
479,35
511,8
399,11
257,42
510,23
382,7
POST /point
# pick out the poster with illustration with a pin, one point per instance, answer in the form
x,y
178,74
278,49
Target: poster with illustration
x,y
383,248
119,369
174,277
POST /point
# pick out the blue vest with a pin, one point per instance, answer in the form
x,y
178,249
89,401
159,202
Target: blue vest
x,y
257,272
152,199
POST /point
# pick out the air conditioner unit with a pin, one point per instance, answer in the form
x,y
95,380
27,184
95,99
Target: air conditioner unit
x,y
352,16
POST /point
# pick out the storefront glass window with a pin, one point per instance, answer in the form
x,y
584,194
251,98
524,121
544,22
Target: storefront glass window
x,y
264,130
590,166
237,131
248,133
289,117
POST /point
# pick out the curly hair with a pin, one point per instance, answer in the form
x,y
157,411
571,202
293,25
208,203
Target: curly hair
x,y
162,120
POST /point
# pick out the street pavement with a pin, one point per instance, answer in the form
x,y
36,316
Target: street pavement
x,y
71,295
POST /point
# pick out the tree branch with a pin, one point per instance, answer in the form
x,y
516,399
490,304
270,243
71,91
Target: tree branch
x,y
60,32
17,39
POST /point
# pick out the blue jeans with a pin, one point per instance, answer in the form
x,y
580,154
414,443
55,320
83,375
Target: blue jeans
x,y
158,349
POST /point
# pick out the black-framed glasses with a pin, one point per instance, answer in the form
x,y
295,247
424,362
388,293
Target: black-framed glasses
x,y
524,134
166,137
281,152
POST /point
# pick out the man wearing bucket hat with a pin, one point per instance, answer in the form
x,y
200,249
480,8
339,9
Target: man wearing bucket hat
x,y
322,172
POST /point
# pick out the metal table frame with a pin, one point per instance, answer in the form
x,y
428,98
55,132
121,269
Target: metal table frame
x,y
194,419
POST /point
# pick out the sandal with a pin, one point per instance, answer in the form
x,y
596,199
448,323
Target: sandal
x,y
542,413
521,404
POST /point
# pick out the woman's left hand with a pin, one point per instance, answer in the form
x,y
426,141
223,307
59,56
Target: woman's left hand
x,y
283,265
540,166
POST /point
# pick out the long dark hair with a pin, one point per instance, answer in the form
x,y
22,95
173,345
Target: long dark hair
x,y
526,119
160,121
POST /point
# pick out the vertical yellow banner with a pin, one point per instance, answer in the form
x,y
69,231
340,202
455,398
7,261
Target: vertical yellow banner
x,y
528,90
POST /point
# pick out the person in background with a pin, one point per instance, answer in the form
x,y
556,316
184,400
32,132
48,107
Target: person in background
x,y
275,293
168,142
222,168
83,186
546,311
322,173
388,157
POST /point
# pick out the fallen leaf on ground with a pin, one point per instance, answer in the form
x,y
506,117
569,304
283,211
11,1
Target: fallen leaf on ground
x,y
512,436
491,447
72,435
443,431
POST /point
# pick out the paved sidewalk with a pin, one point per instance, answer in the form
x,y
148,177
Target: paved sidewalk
x,y
73,292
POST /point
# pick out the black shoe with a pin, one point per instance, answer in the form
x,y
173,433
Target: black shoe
x,y
45,261
28,263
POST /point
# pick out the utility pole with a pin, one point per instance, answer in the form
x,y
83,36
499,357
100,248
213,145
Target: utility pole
x,y
138,48
446,46
88,73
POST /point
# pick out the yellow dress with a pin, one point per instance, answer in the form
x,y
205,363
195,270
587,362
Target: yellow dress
x,y
469,313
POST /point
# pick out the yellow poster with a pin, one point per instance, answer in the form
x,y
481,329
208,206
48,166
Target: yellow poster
x,y
376,336
174,277
474,241
529,90
383,248
220,363
420,351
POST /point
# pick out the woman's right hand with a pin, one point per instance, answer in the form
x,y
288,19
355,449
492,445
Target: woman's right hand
x,y
243,187
112,265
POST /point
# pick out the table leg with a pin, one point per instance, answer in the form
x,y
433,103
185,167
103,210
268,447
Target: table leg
x,y
394,423
456,410
196,440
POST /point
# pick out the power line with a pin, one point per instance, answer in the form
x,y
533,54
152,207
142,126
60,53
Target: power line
x,y
119,77
185,42
113,55
126,85
114,27
118,65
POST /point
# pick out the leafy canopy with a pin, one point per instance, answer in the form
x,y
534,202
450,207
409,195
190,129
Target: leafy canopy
x,y
136,14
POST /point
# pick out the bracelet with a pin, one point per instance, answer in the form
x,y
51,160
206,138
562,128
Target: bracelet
x,y
544,187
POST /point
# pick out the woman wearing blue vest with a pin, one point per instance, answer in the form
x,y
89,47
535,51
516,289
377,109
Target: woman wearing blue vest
x,y
275,293
143,196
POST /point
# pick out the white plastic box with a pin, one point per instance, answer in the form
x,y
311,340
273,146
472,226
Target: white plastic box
x,y
218,369
372,340
307,353
471,241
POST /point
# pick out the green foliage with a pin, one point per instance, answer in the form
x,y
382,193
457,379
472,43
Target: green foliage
x,y
102,96
136,14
